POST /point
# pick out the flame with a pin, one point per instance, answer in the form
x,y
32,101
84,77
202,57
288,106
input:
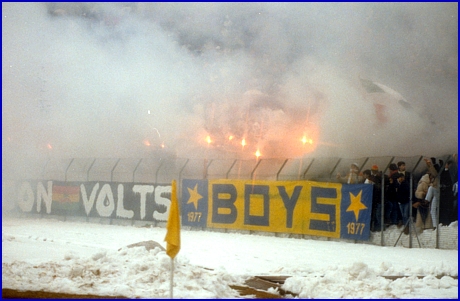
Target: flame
x,y
304,139
230,137
146,142
243,142
257,154
208,139
162,145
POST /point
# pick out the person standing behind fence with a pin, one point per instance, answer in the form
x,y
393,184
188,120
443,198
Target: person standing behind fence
x,y
407,175
433,198
403,197
423,218
376,177
447,178
420,206
435,165
353,176
390,195
433,194
375,218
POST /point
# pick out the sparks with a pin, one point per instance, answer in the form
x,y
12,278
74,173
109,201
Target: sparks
x,y
208,139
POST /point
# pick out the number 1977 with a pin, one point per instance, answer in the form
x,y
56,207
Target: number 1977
x,y
355,228
194,216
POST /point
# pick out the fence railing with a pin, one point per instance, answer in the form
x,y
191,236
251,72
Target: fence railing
x,y
164,170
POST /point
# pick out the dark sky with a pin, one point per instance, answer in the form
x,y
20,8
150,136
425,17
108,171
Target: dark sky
x,y
106,80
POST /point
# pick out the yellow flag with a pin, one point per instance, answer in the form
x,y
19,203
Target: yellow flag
x,y
173,225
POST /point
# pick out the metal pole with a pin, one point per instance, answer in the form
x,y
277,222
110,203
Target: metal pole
x,y
410,212
65,176
279,171
309,165
362,165
382,212
171,280
207,167
111,173
255,167
158,169
333,169
44,168
134,171
233,164
179,186
87,172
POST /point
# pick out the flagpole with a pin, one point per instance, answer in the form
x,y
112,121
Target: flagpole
x,y
173,233
171,279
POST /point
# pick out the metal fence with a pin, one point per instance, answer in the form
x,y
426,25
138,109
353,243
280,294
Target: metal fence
x,y
164,170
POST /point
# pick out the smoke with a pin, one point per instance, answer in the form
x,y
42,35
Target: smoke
x,y
132,79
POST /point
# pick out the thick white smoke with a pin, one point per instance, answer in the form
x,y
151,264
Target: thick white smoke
x,y
127,79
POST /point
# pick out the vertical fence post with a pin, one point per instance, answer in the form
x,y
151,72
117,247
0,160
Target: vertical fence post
x,y
65,176
135,169
308,167
228,172
335,167
89,168
255,167
206,168
158,170
113,169
179,184
279,171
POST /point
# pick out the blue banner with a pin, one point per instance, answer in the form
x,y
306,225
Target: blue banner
x,y
301,207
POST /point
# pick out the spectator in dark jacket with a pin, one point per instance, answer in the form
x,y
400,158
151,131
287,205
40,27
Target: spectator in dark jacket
x,y
448,177
390,195
403,198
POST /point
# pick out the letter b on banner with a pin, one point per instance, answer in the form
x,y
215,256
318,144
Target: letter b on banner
x,y
223,203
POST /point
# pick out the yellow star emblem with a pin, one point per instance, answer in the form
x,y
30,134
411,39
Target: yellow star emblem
x,y
194,196
355,204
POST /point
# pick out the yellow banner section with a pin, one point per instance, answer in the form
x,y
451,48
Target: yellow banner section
x,y
300,207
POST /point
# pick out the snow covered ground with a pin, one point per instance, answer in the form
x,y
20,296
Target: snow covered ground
x,y
89,258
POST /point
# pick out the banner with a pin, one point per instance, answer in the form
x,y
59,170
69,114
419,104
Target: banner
x,y
95,199
301,207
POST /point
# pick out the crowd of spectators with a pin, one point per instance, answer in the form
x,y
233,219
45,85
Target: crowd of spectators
x,y
431,197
